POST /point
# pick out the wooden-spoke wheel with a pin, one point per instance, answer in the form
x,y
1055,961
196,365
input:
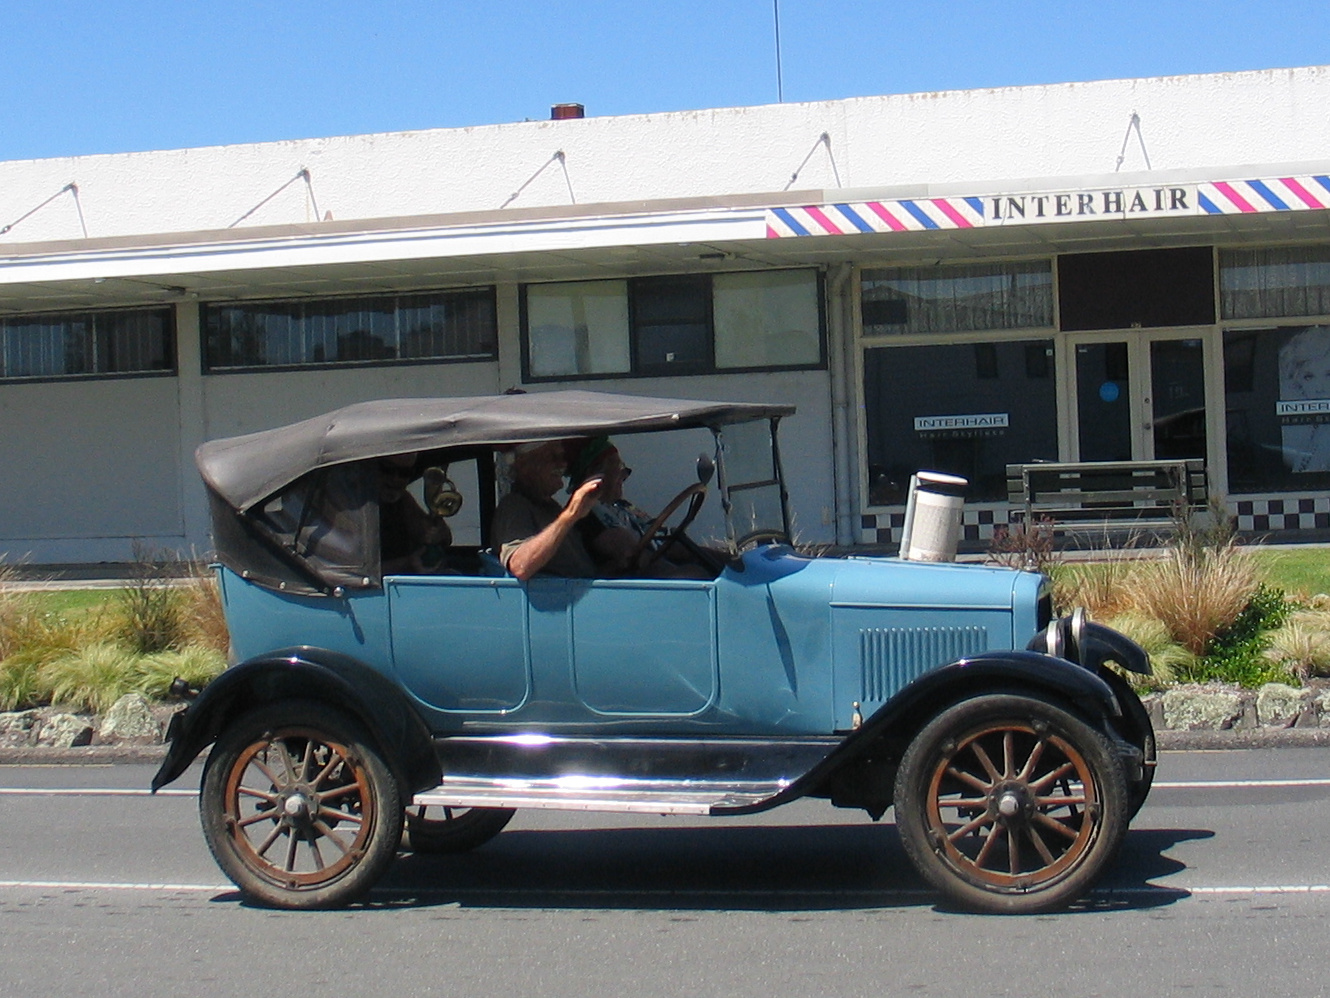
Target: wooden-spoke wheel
x,y
1011,804
298,808
453,829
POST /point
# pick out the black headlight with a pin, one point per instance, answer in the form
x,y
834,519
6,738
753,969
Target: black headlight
x,y
1092,645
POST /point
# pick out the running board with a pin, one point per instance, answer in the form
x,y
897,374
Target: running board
x,y
582,793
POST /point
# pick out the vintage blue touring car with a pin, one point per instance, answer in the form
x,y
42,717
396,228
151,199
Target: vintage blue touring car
x,y
363,705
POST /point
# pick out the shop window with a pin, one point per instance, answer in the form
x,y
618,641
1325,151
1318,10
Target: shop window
x,y
1136,289
1277,404
1274,283
671,324
934,408
951,298
685,324
122,342
577,329
452,325
769,318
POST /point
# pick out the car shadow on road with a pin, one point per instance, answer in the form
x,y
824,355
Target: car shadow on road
x,y
757,868
1133,881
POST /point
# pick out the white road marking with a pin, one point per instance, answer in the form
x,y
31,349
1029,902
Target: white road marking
x,y
1236,784
97,885
91,792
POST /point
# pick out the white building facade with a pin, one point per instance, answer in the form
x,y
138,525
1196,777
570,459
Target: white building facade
x,y
1120,270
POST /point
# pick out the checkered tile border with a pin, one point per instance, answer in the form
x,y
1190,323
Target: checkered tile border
x,y
1255,514
977,524
1283,512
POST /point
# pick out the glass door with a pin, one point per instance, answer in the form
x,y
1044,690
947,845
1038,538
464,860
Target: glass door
x,y
1139,396
1177,398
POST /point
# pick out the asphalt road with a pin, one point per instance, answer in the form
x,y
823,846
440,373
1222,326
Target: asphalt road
x,y
1223,888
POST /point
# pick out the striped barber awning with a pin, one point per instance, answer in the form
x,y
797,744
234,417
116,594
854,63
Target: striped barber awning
x,y
1221,197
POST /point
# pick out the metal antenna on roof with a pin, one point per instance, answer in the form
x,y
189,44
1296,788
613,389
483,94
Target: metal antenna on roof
x,y
1134,122
822,140
73,189
562,161
301,174
780,84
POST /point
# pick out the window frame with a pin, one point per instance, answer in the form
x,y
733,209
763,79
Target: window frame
x,y
1224,320
171,354
868,268
864,341
1047,334
209,369
710,368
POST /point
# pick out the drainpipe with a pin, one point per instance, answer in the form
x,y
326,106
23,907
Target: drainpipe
x,y
843,445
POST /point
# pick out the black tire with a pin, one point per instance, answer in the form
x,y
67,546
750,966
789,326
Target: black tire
x,y
298,807
1134,726
453,829
1010,768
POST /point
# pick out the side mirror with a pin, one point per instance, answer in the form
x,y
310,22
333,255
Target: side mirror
x,y
441,495
706,468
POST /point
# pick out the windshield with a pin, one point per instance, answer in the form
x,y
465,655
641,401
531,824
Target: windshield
x,y
752,492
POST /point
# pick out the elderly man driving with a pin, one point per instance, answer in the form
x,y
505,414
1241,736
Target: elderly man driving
x,y
532,531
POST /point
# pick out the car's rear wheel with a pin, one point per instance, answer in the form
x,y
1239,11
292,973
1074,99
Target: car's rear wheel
x,y
453,829
298,808
1011,804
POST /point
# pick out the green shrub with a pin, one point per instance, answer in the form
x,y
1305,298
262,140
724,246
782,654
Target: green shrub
x,y
204,618
91,678
1237,653
1198,594
151,609
1102,588
1167,657
195,665
1302,644
20,686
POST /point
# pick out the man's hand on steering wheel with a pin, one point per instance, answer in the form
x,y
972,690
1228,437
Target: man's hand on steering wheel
x,y
697,493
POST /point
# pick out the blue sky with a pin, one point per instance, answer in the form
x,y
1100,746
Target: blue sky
x,y
89,77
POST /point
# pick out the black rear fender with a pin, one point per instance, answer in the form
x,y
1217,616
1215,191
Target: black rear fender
x,y
308,674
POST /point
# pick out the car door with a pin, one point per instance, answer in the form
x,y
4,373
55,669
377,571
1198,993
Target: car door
x,y
637,647
555,651
460,642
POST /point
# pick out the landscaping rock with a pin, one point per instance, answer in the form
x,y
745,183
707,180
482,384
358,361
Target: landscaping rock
x,y
1321,704
1154,706
16,727
64,731
1199,708
1279,705
130,719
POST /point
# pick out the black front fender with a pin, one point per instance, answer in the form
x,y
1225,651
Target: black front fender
x,y
307,673
882,738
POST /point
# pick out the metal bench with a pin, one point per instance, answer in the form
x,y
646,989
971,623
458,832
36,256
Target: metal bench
x,y
1108,494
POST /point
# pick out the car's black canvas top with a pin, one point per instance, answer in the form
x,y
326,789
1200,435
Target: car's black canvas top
x,y
244,470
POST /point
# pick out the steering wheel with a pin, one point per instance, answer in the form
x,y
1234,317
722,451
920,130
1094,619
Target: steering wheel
x,y
697,493
757,538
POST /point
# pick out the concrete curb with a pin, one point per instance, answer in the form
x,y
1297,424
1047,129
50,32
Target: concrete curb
x,y
85,755
1250,738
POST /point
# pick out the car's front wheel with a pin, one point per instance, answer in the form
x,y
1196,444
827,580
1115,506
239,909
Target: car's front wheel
x,y
298,808
1009,803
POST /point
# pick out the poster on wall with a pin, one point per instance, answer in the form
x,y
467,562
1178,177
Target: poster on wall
x,y
1303,408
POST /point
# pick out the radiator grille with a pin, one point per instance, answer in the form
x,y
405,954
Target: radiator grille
x,y
891,657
